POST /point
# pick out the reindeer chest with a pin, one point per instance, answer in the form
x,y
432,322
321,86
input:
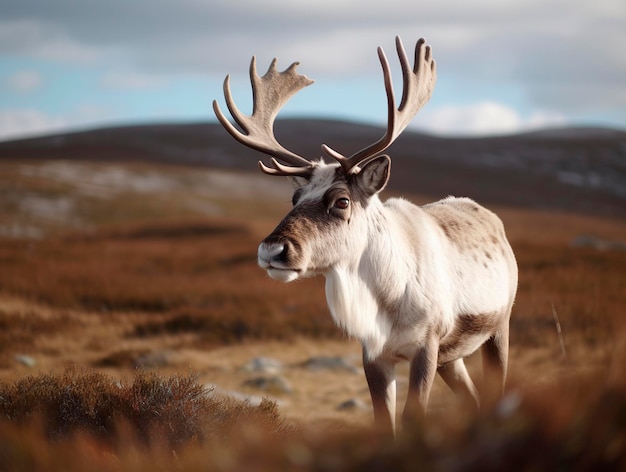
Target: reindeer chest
x,y
355,310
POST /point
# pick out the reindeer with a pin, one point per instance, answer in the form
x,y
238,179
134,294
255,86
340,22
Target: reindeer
x,y
424,284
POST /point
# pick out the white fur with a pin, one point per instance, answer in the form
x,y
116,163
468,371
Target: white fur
x,y
355,310
399,276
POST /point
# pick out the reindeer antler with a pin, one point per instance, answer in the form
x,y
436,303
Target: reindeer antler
x,y
269,94
274,89
418,85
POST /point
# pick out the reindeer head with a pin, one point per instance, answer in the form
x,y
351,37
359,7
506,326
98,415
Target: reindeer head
x,y
328,221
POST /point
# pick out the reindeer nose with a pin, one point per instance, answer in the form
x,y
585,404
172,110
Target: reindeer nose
x,y
275,249
269,252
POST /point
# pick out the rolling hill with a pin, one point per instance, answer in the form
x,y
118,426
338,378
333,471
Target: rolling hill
x,y
580,170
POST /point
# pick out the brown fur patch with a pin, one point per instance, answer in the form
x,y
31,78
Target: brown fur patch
x,y
464,333
466,224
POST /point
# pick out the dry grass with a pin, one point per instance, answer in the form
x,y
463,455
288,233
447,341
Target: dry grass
x,y
88,422
196,277
127,280
201,277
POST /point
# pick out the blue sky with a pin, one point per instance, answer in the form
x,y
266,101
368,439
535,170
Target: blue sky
x,y
503,66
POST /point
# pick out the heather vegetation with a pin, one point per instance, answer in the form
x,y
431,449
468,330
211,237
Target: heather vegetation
x,y
115,272
76,422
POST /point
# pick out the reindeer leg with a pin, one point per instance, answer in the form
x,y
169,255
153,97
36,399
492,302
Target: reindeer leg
x,y
421,377
495,354
455,375
380,375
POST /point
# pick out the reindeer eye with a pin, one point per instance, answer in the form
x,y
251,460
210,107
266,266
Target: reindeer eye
x,y
342,203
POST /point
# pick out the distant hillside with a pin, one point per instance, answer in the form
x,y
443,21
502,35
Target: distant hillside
x,y
574,169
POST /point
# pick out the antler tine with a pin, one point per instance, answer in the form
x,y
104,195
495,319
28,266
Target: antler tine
x,y
269,92
418,84
286,171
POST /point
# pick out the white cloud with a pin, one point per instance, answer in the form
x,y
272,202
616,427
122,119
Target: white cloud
x,y
65,49
28,122
44,40
24,81
484,118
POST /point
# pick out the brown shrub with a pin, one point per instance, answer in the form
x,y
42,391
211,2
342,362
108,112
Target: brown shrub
x,y
574,423
176,411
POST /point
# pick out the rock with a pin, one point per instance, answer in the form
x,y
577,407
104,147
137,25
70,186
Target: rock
x,y
28,361
153,360
509,404
263,365
587,240
272,384
329,362
252,400
352,404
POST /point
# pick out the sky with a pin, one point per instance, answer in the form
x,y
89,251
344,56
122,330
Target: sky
x,y
503,66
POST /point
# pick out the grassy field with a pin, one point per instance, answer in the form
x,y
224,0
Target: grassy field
x,y
107,267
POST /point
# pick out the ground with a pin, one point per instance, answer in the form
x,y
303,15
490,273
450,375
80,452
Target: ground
x,y
113,266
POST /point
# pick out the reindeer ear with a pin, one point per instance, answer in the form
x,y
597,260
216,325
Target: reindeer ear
x,y
374,175
297,182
